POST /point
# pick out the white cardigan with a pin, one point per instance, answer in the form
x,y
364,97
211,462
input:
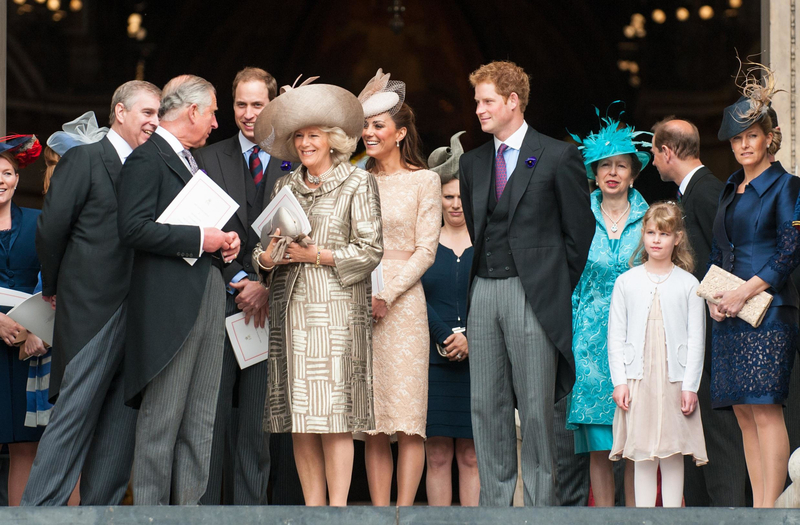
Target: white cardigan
x,y
684,326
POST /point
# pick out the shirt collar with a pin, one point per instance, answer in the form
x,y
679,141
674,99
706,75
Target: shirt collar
x,y
171,139
245,143
761,183
515,140
686,179
122,148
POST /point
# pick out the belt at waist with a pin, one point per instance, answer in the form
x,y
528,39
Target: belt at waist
x,y
397,255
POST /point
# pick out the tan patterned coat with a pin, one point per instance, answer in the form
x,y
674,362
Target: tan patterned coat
x,y
320,325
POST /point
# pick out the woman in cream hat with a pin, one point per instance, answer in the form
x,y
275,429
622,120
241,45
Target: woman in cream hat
x,y
320,348
446,283
412,217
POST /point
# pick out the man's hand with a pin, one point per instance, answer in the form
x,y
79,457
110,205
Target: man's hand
x,y
50,299
232,239
215,239
253,300
9,329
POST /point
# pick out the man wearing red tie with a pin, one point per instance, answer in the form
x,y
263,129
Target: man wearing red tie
x,y
526,204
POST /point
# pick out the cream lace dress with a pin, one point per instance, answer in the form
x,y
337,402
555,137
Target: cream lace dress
x,y
654,426
411,207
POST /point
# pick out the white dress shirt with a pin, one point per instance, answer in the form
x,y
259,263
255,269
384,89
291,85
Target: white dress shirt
x,y
514,143
123,148
686,179
247,146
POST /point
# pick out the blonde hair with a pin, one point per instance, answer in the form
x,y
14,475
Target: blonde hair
x,y
342,145
51,158
668,217
507,78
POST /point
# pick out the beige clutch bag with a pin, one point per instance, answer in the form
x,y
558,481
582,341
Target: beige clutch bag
x,y
718,280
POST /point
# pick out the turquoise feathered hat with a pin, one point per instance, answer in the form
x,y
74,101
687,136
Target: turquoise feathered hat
x,y
614,138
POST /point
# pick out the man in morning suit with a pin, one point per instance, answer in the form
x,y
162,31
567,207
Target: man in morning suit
x,y
84,264
526,204
240,450
175,310
676,151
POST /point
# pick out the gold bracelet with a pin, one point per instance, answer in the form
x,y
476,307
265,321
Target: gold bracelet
x,y
258,261
319,254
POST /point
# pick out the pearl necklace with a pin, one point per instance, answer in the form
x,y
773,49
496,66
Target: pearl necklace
x,y
659,278
319,179
614,223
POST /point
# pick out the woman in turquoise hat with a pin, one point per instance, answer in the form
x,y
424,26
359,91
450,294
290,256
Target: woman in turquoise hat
x,y
612,162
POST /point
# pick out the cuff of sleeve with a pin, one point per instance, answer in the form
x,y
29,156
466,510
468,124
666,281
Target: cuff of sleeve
x,y
771,277
236,278
202,241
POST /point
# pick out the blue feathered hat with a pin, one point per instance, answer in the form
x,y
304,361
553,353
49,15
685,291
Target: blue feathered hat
x,y
614,138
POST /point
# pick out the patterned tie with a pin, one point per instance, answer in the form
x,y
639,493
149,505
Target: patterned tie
x,y
679,195
500,176
190,159
255,166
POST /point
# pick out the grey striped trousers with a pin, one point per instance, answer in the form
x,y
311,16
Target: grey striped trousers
x,y
176,418
511,357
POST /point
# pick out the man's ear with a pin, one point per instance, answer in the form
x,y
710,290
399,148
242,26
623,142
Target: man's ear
x,y
119,112
513,100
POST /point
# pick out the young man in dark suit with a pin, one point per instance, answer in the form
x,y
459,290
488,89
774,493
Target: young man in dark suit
x,y
676,156
84,264
240,452
526,205
176,311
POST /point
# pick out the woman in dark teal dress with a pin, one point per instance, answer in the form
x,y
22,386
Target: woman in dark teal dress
x,y
19,271
446,283
754,239
613,163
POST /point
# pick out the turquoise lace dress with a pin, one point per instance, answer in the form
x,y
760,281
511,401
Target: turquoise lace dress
x,y
591,408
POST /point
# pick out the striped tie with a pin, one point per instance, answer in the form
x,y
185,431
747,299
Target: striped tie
x,y
190,160
256,170
500,176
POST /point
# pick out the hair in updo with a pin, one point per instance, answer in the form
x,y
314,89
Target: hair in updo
x,y
668,217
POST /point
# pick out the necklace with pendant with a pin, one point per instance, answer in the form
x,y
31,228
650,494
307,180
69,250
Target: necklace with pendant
x,y
319,179
658,278
614,223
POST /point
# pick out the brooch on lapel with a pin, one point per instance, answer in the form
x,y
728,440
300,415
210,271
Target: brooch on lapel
x,y
530,161
286,165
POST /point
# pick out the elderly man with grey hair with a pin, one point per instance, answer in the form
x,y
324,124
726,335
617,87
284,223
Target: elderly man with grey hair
x,y
90,433
175,332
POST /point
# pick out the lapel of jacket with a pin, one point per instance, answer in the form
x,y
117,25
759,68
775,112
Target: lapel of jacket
x,y
111,161
171,158
699,174
728,193
231,162
482,180
531,147
272,174
16,225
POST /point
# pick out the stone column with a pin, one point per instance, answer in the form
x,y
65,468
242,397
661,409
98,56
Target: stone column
x,y
3,62
779,42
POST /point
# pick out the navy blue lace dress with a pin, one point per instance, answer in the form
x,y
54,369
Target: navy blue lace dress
x,y
753,235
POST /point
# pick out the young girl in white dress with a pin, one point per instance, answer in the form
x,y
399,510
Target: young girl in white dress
x,y
656,342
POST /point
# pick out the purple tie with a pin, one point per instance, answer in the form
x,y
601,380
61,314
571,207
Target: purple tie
x,y
500,176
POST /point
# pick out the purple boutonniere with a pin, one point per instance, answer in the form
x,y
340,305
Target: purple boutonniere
x,y
286,165
530,161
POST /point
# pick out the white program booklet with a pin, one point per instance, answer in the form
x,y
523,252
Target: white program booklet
x,y
9,297
200,203
36,316
284,199
250,344
377,279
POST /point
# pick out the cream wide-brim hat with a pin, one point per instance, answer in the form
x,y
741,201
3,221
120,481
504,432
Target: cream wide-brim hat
x,y
322,105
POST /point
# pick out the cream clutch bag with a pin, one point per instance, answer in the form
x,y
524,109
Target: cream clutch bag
x,y
718,280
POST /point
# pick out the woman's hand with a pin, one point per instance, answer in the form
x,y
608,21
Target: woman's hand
x,y
295,253
714,312
265,258
379,309
622,397
457,347
33,346
732,301
688,402
9,329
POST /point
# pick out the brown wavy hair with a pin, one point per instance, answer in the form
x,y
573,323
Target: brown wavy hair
x,y
507,78
668,217
411,145
51,158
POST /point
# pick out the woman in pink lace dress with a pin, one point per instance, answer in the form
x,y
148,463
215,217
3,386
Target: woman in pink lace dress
x,y
412,217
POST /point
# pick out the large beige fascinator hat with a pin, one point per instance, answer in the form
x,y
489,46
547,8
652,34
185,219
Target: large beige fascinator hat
x,y
322,105
382,94
444,160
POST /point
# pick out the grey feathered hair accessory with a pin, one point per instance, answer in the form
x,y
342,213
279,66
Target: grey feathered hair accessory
x,y
444,160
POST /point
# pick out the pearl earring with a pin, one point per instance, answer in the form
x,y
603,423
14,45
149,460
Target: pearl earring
x,y
331,150
398,143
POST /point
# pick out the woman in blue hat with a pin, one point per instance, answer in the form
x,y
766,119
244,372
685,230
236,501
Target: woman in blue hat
x,y
613,157
754,239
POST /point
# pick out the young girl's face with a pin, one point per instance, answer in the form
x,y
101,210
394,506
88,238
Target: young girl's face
x,y
659,244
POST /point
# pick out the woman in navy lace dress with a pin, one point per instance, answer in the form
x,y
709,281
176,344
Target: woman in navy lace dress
x,y
754,239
